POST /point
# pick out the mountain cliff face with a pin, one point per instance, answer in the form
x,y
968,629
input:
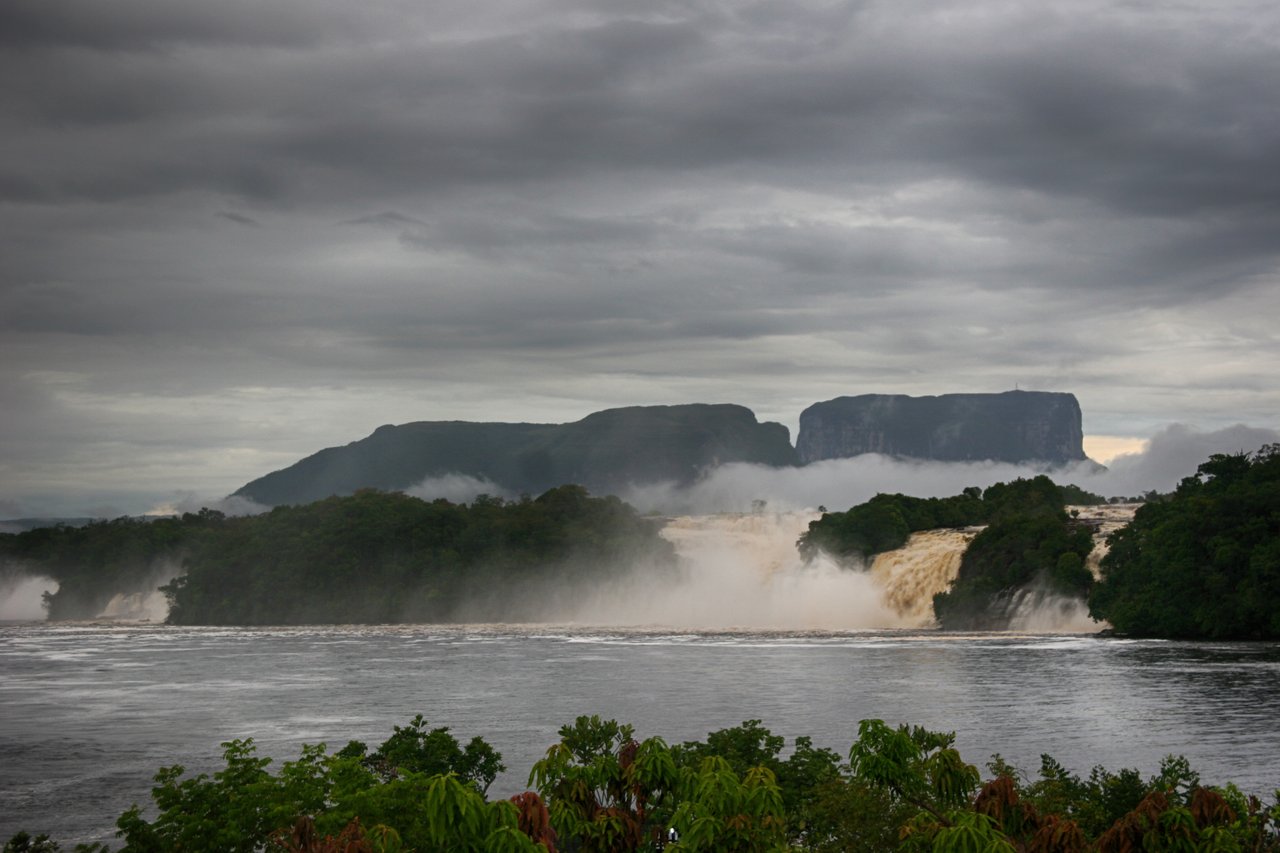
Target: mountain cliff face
x,y
1015,426
605,452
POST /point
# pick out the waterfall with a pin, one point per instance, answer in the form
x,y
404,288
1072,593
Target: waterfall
x,y
743,571
1105,520
910,576
137,607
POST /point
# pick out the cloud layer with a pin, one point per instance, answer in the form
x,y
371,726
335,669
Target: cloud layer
x,y
234,233
837,484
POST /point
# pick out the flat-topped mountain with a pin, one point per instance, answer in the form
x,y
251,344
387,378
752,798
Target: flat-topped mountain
x,y
1014,426
604,452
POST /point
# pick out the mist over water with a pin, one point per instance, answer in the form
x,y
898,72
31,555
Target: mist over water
x,y
137,607
22,596
1038,611
145,603
743,571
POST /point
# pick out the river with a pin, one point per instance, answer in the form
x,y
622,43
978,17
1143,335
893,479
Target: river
x,y
90,711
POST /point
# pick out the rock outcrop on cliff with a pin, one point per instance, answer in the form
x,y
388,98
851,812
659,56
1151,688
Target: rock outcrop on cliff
x,y
605,452
1014,426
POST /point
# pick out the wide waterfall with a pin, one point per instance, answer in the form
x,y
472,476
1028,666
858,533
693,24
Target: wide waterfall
x,y
739,570
743,571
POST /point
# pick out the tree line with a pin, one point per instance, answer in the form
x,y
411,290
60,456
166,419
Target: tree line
x,y
601,790
371,557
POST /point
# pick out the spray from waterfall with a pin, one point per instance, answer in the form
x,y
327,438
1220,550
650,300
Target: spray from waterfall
x,y
22,596
743,570
136,607
145,602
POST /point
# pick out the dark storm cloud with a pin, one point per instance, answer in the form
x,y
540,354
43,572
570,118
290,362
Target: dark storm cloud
x,y
331,213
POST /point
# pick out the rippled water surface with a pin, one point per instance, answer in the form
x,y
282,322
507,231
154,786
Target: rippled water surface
x,y
89,712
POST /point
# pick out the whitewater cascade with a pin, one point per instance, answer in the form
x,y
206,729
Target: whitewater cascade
x,y
910,576
1105,519
743,571
137,607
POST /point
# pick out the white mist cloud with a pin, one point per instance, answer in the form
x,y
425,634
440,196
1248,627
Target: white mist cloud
x,y
457,488
1171,454
233,505
833,483
22,596
1175,452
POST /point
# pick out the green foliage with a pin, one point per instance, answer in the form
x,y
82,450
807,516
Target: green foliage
x,y
847,815
1041,548
799,778
905,788
94,562
917,766
1206,562
1073,495
603,788
721,811
415,749
886,521
419,790
371,557
1029,541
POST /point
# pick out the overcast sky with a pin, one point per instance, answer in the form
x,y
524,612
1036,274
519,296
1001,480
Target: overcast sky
x,y
235,232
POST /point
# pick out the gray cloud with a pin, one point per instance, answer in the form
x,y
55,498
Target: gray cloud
x,y
528,211
239,218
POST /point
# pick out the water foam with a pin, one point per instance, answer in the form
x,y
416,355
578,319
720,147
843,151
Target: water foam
x,y
910,576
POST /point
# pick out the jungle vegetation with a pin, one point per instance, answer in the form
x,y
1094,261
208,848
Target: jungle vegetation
x,y
1029,540
371,557
1205,561
601,790
886,521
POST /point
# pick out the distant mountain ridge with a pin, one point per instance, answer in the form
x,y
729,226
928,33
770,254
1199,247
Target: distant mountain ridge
x,y
1014,426
605,452
638,445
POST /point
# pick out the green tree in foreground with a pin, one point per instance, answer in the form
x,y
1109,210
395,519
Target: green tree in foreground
x,y
599,789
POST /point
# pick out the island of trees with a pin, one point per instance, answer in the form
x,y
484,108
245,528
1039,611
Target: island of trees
x,y
602,790
1029,540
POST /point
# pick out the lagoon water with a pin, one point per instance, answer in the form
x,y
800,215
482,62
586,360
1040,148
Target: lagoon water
x,y
88,712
